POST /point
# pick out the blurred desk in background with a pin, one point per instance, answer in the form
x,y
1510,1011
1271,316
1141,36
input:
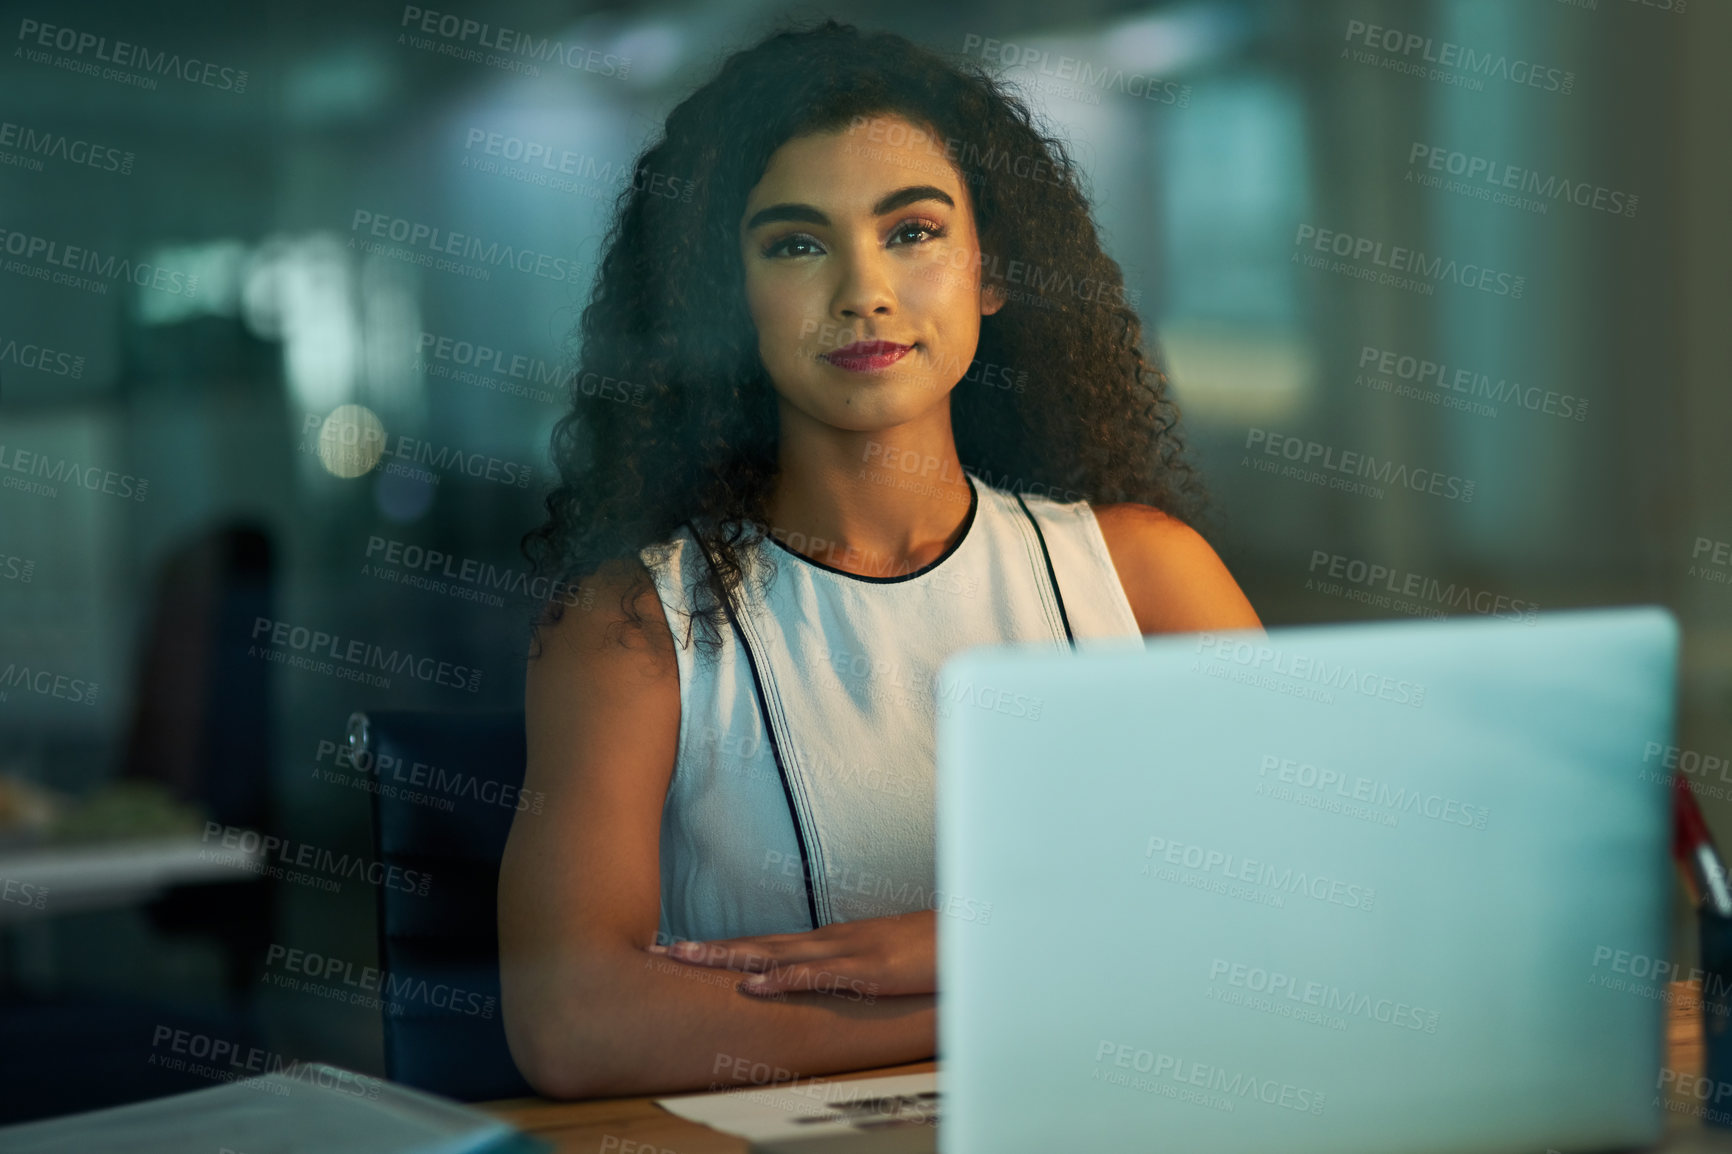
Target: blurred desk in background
x,y
49,880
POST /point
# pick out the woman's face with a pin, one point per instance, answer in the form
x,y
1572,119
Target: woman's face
x,y
862,235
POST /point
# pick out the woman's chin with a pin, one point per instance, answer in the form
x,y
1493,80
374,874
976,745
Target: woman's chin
x,y
867,401
878,407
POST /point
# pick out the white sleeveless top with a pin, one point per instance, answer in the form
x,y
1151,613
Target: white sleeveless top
x,y
803,790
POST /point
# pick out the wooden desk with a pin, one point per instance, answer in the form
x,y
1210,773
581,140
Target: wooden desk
x,y
585,1127
606,1126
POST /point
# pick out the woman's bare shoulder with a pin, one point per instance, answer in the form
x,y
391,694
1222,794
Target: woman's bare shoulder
x,y
1172,577
594,628
599,673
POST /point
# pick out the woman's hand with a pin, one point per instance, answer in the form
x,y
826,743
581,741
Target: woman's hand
x,y
867,959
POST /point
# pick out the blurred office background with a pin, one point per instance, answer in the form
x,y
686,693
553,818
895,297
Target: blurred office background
x,y
232,295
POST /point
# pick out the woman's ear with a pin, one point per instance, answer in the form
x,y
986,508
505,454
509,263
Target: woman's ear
x,y
991,299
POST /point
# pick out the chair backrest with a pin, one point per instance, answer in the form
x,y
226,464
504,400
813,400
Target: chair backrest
x,y
448,786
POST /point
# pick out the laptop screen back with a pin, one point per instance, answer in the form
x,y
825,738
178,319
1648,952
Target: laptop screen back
x,y
1357,888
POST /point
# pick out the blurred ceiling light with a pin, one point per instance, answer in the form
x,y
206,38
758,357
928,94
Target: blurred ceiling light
x,y
1230,374
1177,39
350,82
351,441
212,272
654,49
388,337
301,290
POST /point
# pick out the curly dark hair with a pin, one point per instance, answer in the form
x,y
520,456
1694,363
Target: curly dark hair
x,y
667,319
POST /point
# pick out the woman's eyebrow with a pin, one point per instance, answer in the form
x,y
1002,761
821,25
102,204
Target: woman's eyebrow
x,y
901,198
778,212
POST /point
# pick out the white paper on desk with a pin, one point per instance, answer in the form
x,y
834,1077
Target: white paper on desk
x,y
319,1110
812,1107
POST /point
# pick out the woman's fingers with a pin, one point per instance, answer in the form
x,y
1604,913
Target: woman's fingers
x,y
756,954
866,958
809,978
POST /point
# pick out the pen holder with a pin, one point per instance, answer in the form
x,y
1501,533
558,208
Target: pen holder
x,y
1715,934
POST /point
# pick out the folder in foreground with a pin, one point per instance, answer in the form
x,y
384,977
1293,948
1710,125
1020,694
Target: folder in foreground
x,y
311,1108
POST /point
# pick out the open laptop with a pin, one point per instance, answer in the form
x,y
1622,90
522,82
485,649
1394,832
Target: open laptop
x,y
1365,888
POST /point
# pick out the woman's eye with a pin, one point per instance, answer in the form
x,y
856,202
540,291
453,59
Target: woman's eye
x,y
918,231
788,244
802,244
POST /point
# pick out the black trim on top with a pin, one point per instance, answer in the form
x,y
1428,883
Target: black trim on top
x,y
770,730
1051,575
967,524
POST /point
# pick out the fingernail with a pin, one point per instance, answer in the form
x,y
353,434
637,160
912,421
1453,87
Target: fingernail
x,y
753,983
657,949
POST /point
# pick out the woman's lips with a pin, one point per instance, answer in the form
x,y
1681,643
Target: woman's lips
x,y
867,356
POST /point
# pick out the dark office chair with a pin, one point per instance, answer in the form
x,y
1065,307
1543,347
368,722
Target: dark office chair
x,y
449,937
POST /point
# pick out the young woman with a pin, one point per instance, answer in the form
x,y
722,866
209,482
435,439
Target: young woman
x,y
893,405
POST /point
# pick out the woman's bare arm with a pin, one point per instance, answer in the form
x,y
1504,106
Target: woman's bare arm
x,y
1172,578
588,1011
